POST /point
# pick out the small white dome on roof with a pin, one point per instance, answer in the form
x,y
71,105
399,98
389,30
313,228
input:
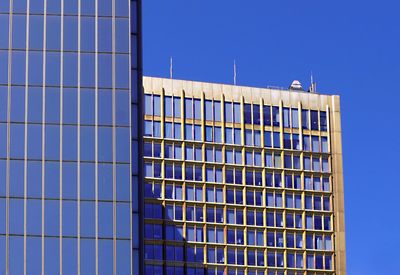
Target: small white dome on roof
x,y
296,85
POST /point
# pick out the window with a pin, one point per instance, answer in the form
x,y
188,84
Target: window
x,y
194,254
315,144
214,174
173,191
153,231
234,196
152,149
254,177
257,159
274,199
248,137
326,184
173,171
228,112
153,252
215,215
235,236
237,113
255,217
254,197
286,117
304,119
238,136
307,163
255,257
215,235
296,142
209,133
314,120
152,104
267,115
324,145
217,134
172,151
288,161
152,129
323,121
275,259
152,190
214,194
153,211
168,106
193,172
213,134
194,193
213,154
275,239
188,108
256,114
257,138
247,113
217,110
233,176
275,116
325,165
173,212
316,164
234,216
306,143
194,234
189,132
229,135
274,219
277,141
287,143
215,255
197,108
208,109
174,253
194,213
295,118
267,139
177,106
172,130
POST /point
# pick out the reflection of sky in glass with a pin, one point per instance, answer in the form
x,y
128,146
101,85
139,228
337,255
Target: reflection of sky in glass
x,y
65,153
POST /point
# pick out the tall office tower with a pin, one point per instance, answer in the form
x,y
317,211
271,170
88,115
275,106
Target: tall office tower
x,y
241,180
69,77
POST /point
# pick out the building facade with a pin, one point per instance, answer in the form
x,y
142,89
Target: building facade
x,y
241,180
70,72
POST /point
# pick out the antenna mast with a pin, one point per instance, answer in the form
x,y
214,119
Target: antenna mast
x,y
170,68
234,72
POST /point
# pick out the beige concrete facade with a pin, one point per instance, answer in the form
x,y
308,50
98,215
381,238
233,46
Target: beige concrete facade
x,y
282,99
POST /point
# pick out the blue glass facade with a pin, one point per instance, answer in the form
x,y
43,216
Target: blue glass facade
x,y
69,78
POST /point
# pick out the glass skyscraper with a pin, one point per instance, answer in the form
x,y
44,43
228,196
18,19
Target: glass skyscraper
x,y
241,180
69,178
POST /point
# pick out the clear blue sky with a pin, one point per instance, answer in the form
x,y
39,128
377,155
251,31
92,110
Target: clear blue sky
x,y
352,48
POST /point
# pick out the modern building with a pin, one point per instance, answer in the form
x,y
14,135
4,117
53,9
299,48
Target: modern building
x,y
241,180
70,78
104,173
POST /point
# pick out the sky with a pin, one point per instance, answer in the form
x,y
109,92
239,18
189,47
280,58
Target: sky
x,y
352,48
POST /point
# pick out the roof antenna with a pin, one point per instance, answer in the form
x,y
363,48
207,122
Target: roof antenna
x,y
234,72
312,80
313,87
170,68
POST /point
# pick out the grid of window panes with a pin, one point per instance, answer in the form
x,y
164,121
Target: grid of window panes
x,y
236,188
65,195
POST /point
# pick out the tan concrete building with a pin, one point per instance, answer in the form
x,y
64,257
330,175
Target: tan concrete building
x,y
241,180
